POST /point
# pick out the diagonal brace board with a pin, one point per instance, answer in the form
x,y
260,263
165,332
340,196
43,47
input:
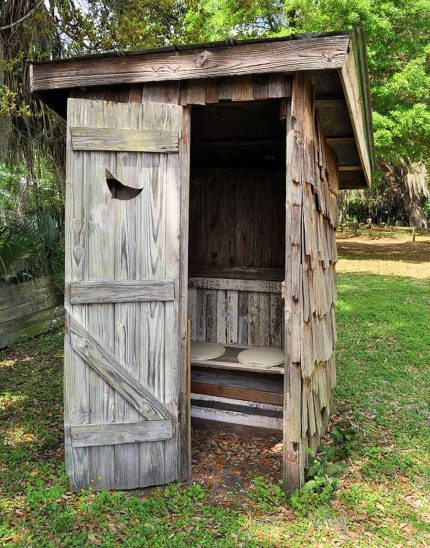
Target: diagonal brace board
x,y
115,374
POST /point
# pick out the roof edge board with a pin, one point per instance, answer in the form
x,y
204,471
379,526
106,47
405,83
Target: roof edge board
x,y
314,53
358,37
229,42
358,105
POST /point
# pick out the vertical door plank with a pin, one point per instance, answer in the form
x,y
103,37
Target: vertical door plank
x,y
76,374
126,223
174,333
100,317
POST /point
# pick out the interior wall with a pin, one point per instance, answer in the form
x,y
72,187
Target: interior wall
x,y
237,218
237,187
238,312
237,224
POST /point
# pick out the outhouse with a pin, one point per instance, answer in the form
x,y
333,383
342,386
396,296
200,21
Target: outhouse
x,y
201,207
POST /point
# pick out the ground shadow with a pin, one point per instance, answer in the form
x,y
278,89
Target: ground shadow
x,y
391,250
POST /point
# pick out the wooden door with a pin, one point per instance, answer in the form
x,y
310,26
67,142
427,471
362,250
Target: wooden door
x,y
125,330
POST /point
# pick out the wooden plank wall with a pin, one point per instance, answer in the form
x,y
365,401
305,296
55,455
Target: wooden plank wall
x,y
237,218
310,333
236,311
194,92
29,309
237,400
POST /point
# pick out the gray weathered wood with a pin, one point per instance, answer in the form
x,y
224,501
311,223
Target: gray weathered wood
x,y
36,324
44,301
236,272
93,435
184,335
128,243
245,394
310,283
231,401
235,417
115,374
125,140
15,294
29,309
236,311
316,53
126,332
76,373
120,291
259,286
292,466
348,76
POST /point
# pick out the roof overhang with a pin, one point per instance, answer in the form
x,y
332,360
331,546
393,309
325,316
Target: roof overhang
x,y
339,54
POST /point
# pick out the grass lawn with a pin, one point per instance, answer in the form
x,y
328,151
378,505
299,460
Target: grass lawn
x,y
368,487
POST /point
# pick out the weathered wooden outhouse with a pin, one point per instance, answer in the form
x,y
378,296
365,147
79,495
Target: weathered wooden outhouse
x,y
201,185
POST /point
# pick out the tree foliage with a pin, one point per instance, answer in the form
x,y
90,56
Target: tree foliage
x,y
396,32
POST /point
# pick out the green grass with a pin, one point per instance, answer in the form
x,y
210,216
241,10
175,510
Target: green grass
x,y
369,486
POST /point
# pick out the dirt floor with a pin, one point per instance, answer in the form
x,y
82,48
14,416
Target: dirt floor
x,y
224,461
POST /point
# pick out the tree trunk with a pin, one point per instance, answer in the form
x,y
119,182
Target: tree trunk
x,y
5,119
417,216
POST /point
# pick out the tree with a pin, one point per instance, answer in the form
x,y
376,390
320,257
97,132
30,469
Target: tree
x,y
398,52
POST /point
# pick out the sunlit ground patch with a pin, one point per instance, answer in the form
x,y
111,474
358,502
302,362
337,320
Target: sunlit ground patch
x,y
392,258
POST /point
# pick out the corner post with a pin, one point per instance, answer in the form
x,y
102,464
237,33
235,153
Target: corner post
x,y
294,446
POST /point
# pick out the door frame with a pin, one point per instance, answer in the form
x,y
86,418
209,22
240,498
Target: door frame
x,y
184,419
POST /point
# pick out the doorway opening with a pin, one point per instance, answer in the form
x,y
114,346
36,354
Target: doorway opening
x,y
236,267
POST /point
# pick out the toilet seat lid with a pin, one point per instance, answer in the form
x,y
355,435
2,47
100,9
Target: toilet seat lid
x,y
201,350
262,357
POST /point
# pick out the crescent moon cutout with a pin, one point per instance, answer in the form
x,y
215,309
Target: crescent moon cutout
x,y
118,190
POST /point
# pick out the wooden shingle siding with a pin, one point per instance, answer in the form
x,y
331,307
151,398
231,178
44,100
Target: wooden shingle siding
x,y
310,336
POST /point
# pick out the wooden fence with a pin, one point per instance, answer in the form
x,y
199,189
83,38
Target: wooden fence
x,y
29,308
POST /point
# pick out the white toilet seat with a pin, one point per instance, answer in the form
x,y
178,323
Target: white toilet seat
x,y
261,357
201,350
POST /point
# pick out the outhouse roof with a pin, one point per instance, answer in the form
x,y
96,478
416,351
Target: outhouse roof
x,y
336,61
